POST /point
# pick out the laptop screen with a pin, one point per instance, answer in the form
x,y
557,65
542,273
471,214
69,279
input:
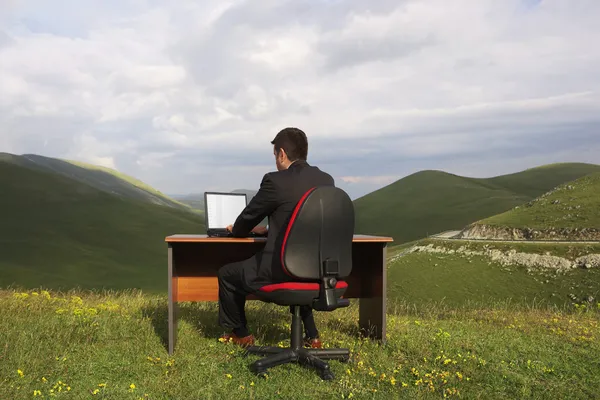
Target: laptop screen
x,y
222,209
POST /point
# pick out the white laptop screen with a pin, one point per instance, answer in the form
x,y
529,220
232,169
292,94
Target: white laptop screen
x,y
223,209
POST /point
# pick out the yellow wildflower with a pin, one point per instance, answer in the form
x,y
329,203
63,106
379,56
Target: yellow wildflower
x,y
37,393
228,376
20,373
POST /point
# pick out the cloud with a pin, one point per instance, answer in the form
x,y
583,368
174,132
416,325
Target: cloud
x,y
189,94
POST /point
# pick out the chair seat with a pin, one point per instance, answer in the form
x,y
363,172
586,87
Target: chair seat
x,y
296,293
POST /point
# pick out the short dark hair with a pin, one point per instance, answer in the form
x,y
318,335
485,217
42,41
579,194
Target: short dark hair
x,y
293,141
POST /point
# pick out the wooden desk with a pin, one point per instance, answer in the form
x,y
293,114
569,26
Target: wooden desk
x,y
195,259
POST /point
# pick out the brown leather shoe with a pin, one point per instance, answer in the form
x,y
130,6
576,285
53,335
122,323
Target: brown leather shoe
x,y
314,343
231,337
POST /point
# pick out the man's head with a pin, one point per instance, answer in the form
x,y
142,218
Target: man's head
x,y
289,145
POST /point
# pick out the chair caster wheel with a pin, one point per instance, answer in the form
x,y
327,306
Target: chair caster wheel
x,y
327,375
262,375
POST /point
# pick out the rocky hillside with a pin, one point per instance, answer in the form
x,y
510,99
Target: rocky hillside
x,y
569,212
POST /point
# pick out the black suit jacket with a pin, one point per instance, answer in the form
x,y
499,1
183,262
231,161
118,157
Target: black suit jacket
x,y
277,197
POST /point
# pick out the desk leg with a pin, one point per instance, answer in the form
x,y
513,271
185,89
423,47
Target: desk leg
x,y
172,284
372,310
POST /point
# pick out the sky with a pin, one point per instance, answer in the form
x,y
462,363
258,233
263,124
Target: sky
x,y
188,95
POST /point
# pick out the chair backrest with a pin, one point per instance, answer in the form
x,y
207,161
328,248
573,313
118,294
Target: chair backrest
x,y
320,231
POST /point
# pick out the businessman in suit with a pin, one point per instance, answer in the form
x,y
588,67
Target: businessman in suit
x,y
276,199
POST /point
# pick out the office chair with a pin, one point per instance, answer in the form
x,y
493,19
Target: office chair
x,y
316,253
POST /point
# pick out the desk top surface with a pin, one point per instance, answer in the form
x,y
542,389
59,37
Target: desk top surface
x,y
181,238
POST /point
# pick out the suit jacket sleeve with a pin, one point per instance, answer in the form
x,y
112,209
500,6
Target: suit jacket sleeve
x,y
261,205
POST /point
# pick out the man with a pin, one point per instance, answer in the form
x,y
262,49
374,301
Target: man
x,y
277,197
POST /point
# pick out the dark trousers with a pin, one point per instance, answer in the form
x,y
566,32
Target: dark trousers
x,y
232,298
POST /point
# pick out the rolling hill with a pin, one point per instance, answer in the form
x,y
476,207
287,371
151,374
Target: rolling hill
x,y
568,212
60,233
101,178
429,202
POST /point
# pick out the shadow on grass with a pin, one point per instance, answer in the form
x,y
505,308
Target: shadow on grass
x,y
265,321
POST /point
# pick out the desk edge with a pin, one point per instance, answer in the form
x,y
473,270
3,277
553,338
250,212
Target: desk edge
x,y
173,239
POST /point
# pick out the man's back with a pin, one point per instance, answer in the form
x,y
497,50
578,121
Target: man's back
x,y
278,196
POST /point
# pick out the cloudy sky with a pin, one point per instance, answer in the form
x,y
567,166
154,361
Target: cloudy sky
x,y
187,95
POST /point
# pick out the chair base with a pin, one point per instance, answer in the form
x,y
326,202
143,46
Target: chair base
x,y
306,357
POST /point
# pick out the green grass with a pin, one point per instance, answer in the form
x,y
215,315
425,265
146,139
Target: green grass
x,y
112,346
430,202
60,233
572,205
457,280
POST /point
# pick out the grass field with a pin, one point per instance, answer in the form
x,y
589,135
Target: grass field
x,y
60,233
430,202
112,346
456,280
572,205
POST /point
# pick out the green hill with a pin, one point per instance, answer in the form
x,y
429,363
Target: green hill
x,y
102,178
60,233
430,202
536,181
569,211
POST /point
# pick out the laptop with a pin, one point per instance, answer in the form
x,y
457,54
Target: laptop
x,y
221,210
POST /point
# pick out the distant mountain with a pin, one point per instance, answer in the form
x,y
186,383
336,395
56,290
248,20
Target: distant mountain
x,y
101,178
60,232
430,202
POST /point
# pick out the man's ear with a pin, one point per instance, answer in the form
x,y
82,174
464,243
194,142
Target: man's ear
x,y
282,154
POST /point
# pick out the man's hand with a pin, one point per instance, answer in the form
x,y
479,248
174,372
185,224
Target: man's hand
x,y
229,228
260,230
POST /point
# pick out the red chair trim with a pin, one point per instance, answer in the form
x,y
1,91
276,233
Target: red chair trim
x,y
298,286
289,228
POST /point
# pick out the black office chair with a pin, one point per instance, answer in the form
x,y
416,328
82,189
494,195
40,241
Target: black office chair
x,y
316,253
